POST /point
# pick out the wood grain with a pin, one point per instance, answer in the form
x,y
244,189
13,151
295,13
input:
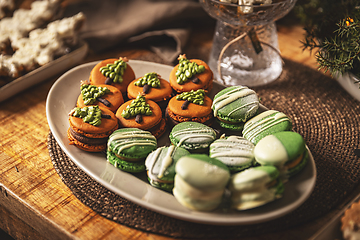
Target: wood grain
x,y
33,196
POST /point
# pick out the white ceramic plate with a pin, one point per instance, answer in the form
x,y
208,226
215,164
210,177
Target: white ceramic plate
x,y
134,187
42,73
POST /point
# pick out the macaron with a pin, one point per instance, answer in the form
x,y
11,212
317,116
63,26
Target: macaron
x,y
90,127
200,182
193,106
255,187
152,87
105,96
233,106
113,71
127,148
143,114
284,150
234,151
191,74
266,123
193,136
160,166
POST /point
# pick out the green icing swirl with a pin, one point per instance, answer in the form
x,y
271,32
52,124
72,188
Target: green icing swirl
x,y
151,79
115,70
137,106
187,69
91,114
196,97
90,93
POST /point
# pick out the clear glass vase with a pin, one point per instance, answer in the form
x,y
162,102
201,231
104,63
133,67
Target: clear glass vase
x,y
240,63
245,47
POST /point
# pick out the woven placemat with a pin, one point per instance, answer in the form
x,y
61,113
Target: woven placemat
x,y
321,111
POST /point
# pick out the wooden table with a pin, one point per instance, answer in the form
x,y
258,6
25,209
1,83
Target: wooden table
x,y
35,203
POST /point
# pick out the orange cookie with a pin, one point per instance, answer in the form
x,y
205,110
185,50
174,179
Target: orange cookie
x,y
176,111
203,80
96,77
110,100
150,119
92,135
160,94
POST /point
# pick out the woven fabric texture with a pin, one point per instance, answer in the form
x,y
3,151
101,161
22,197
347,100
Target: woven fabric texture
x,y
321,111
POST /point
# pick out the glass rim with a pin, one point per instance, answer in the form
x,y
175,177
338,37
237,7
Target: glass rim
x,y
253,6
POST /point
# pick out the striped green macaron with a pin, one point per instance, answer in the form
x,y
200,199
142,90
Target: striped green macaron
x,y
266,123
127,148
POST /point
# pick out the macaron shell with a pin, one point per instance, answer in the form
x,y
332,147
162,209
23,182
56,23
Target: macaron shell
x,y
235,104
162,93
123,165
114,97
238,127
270,151
103,130
131,143
203,172
249,200
190,201
205,79
253,178
233,151
84,146
96,77
147,121
266,123
193,110
293,142
163,161
192,135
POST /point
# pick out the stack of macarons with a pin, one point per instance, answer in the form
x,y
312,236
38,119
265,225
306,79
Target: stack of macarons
x,y
126,116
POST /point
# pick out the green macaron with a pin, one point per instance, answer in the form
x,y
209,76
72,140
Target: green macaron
x,y
266,123
200,182
285,150
160,166
127,148
234,105
234,151
193,136
255,187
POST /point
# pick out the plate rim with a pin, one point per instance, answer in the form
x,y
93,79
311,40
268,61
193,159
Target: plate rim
x,y
187,216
